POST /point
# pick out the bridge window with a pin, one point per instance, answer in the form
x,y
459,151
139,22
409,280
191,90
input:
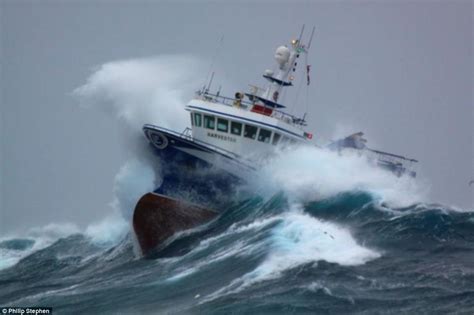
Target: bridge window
x,y
276,138
264,135
209,122
236,128
222,125
197,120
250,132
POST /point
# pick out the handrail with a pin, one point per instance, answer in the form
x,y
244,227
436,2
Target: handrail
x,y
221,99
395,156
228,101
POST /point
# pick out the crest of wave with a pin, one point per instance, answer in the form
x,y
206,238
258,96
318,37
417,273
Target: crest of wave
x,y
311,173
297,240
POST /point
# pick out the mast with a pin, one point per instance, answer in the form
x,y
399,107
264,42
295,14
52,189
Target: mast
x,y
286,58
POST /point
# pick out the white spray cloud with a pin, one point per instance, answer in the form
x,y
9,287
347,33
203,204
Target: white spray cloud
x,y
136,92
309,173
140,91
134,179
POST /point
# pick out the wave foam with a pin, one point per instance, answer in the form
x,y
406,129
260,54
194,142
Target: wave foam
x,y
41,237
109,231
106,233
300,239
134,179
309,173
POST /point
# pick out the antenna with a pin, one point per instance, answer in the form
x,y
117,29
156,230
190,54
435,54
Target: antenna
x,y
301,34
293,65
210,82
311,37
216,51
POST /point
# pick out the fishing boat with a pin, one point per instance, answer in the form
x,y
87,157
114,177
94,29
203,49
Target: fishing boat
x,y
227,140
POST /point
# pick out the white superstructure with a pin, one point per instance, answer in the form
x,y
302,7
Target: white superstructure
x,y
251,124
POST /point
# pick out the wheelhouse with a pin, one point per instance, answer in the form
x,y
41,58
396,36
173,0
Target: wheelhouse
x,y
252,123
238,130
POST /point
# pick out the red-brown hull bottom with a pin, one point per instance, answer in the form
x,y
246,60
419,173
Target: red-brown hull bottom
x,y
157,217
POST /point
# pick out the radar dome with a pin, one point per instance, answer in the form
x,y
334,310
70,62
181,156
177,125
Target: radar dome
x,y
282,55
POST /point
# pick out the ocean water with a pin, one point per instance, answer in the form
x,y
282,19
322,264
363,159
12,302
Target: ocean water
x,y
320,233
349,253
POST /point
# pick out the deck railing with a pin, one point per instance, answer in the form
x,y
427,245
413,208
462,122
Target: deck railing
x,y
390,157
245,105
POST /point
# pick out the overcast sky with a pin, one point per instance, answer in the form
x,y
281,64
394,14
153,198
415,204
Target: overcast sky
x,y
401,71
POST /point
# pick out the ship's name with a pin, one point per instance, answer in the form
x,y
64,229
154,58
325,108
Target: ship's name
x,y
221,137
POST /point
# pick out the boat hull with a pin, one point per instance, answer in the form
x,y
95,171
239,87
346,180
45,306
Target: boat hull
x,y
194,172
157,218
196,180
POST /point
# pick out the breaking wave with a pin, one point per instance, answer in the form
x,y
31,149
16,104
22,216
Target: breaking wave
x,y
311,173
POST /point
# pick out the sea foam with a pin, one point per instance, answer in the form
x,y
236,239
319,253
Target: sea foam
x,y
307,173
300,239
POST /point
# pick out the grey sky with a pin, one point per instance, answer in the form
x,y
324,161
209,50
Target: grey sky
x,y
400,71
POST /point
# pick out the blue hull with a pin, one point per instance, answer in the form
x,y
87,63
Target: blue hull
x,y
188,177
